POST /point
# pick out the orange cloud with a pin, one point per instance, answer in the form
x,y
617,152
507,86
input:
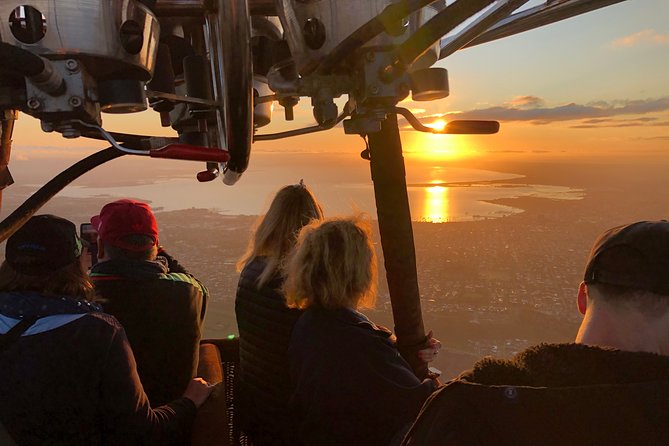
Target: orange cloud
x,y
526,102
566,112
645,37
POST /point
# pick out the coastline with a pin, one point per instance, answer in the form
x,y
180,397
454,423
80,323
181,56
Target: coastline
x,y
488,287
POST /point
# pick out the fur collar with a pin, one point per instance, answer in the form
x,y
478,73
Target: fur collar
x,y
559,365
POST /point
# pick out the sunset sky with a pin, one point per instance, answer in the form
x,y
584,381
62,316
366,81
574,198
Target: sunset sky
x,y
594,83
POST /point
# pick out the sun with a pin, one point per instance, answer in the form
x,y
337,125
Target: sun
x,y
436,147
438,125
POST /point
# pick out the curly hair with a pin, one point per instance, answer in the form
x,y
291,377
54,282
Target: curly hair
x,y
333,266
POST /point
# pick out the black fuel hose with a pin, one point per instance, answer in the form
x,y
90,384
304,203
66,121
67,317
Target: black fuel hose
x,y
29,207
39,70
20,60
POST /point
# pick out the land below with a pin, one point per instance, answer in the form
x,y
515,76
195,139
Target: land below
x,y
488,287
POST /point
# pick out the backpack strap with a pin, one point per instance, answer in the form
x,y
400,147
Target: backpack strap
x,y
15,332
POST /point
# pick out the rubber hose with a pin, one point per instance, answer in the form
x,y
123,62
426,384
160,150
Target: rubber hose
x,y
29,207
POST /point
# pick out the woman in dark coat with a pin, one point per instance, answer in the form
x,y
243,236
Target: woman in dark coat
x,y
352,386
265,322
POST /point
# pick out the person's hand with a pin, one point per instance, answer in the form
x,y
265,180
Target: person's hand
x,y
432,350
198,391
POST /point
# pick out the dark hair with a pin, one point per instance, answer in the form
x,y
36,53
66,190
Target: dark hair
x,y
70,280
114,252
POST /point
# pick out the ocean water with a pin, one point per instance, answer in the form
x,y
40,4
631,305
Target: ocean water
x,y
436,193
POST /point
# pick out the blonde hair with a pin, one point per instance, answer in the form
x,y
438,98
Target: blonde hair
x,y
275,234
333,266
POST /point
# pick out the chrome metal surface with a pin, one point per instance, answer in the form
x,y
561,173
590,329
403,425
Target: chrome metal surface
x,y
110,139
262,7
340,19
213,33
76,100
228,38
306,130
49,80
179,98
431,32
180,8
89,30
262,110
493,15
550,12
193,8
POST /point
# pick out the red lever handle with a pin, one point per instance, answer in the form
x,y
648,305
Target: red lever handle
x,y
190,153
206,175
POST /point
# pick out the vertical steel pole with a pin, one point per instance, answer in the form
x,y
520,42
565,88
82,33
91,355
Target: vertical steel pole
x,y
7,118
392,207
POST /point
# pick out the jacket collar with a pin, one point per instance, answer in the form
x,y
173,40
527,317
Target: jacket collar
x,y
356,318
130,269
20,305
557,365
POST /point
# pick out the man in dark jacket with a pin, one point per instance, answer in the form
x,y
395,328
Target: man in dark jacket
x,y
160,305
609,387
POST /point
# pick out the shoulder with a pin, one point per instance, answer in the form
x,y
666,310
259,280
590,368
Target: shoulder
x,y
248,291
255,266
339,327
189,284
96,329
452,415
249,275
102,321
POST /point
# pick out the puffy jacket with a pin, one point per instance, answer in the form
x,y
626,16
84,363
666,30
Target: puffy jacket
x,y
265,326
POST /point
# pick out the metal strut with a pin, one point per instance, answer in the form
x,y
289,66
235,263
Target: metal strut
x,y
394,216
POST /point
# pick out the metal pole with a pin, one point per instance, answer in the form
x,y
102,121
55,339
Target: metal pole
x,y
7,119
392,207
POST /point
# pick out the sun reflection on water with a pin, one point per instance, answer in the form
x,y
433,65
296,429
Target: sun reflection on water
x,y
436,207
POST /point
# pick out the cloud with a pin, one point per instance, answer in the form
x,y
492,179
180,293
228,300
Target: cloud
x,y
568,112
526,102
607,120
645,37
417,111
638,122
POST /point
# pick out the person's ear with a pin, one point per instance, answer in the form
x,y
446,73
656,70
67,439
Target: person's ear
x,y
582,298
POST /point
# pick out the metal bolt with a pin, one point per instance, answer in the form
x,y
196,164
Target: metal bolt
x,y
47,127
511,393
373,90
70,132
34,103
75,101
72,64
